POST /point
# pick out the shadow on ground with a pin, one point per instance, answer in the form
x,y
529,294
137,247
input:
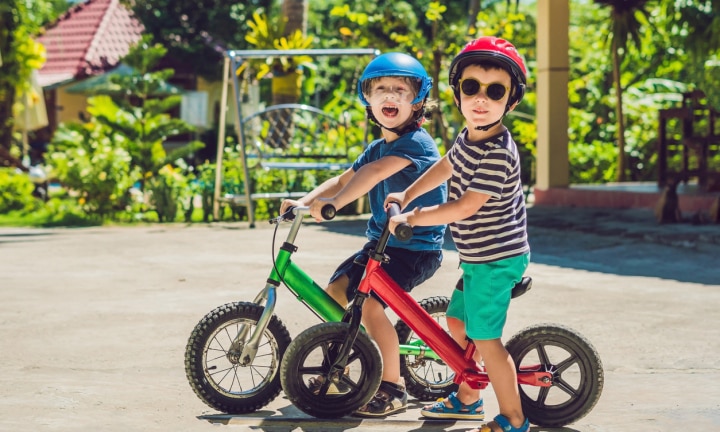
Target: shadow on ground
x,y
612,241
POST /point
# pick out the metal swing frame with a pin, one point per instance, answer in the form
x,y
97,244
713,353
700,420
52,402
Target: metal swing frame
x,y
233,60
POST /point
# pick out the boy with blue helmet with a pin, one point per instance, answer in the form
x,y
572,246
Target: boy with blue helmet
x,y
394,88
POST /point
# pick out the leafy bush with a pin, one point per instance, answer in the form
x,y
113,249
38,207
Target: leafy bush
x,y
15,191
167,189
95,168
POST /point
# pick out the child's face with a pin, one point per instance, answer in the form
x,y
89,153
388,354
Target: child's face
x,y
489,92
390,99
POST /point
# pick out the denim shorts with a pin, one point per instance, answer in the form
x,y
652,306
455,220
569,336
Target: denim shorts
x,y
406,267
484,300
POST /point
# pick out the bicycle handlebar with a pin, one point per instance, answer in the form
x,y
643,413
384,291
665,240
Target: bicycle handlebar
x,y
328,212
289,215
403,231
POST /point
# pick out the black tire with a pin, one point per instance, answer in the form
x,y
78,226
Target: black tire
x,y
426,379
309,356
225,385
576,369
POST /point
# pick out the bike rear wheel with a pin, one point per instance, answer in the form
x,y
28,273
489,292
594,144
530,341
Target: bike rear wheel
x,y
426,379
574,364
308,359
220,381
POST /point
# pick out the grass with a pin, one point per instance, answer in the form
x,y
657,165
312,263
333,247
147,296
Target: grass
x,y
66,213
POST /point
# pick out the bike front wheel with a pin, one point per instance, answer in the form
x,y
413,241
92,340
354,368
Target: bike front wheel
x,y
314,388
577,374
216,376
426,378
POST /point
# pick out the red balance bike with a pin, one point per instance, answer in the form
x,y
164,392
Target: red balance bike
x,y
560,375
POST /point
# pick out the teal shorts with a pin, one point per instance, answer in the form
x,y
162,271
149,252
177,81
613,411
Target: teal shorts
x,y
483,303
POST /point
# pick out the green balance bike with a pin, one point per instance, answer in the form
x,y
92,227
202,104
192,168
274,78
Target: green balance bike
x,y
233,355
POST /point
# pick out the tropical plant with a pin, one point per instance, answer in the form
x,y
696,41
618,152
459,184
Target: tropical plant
x,y
19,56
269,33
15,191
169,192
197,33
94,166
627,18
139,113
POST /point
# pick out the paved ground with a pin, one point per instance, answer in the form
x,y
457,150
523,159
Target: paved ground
x,y
93,322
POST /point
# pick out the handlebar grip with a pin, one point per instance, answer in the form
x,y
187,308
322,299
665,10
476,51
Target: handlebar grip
x,y
328,212
403,231
289,214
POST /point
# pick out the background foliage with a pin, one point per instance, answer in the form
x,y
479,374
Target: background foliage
x,y
678,51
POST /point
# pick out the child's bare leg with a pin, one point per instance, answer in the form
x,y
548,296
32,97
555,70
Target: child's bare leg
x,y
391,397
338,290
501,371
383,333
465,394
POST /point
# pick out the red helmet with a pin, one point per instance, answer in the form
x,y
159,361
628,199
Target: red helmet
x,y
493,50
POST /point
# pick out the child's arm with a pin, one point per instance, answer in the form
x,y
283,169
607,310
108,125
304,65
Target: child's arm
x,y
328,188
455,210
360,183
438,173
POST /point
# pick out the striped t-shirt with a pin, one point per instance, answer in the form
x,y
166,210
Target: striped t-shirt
x,y
499,229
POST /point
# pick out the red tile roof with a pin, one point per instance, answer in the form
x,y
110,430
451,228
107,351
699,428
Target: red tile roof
x,y
87,40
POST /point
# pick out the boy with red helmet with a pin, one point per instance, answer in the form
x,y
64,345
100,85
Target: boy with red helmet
x,y
486,213
394,88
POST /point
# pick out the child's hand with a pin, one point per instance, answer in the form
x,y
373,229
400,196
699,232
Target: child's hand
x,y
399,219
397,197
317,205
286,204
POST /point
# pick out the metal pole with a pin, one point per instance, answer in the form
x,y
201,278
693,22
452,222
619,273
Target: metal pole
x,y
241,138
220,141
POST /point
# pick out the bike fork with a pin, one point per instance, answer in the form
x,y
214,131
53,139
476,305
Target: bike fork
x,y
339,355
244,353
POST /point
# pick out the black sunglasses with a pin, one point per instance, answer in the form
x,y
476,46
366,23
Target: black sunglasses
x,y
471,87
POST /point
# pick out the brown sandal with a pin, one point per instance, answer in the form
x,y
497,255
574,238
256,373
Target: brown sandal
x,y
334,388
389,399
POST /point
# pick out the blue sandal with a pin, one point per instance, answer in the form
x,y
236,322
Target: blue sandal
x,y
504,424
458,411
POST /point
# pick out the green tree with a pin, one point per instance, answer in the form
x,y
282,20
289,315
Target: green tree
x,y
93,163
140,111
626,22
19,54
268,33
196,33
695,31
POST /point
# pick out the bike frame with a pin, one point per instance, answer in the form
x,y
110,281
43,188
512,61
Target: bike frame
x,y
305,290
425,327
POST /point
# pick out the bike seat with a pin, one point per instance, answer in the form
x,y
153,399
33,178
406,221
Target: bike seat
x,y
519,289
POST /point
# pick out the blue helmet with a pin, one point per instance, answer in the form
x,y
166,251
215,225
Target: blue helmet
x,y
396,65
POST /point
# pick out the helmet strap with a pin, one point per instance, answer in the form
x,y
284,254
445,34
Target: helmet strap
x,y
487,126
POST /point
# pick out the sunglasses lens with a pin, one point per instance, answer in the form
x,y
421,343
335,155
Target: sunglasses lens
x,y
496,91
470,87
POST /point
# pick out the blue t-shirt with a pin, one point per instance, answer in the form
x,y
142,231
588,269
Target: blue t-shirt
x,y
419,148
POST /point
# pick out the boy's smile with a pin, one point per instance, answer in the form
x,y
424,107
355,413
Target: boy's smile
x,y
390,99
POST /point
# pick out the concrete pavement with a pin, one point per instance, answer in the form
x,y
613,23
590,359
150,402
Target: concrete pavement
x,y
94,321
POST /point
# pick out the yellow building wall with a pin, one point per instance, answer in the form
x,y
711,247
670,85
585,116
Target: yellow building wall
x,y
214,90
69,106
